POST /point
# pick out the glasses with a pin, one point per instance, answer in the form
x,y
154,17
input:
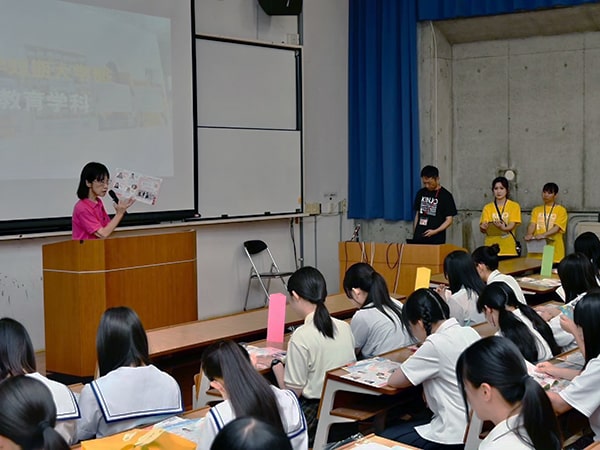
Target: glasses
x,y
103,182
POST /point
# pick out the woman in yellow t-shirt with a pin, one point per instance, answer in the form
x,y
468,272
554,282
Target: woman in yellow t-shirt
x,y
500,218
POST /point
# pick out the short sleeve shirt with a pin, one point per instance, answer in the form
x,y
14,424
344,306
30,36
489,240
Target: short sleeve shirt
x,y
511,212
88,217
432,208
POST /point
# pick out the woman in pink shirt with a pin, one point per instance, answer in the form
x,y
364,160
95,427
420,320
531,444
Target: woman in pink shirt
x,y
90,220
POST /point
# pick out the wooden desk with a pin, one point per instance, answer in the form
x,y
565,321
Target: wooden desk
x,y
177,349
514,267
539,285
374,439
334,384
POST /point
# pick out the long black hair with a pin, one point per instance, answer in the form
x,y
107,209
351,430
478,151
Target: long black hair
x,y
588,243
587,316
459,269
363,276
28,414
497,361
92,171
309,284
487,255
16,351
249,393
249,433
576,275
425,305
498,296
121,340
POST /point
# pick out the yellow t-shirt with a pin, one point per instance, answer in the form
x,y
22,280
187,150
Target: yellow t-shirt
x,y
546,218
511,212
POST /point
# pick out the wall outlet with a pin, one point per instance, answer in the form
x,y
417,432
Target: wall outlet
x,y
343,206
293,39
312,208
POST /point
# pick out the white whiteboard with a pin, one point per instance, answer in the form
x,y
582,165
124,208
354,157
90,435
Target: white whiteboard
x,y
249,136
248,172
244,85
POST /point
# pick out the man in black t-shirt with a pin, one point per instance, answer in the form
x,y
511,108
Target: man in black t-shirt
x,y
434,209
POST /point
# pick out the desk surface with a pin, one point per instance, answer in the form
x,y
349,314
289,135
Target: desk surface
x,y
538,284
374,439
513,266
201,333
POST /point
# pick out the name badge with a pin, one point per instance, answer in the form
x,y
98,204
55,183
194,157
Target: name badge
x,y
423,221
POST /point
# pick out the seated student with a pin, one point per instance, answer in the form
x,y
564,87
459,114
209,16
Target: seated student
x,y
247,393
28,416
486,263
130,391
577,277
582,392
588,243
18,358
495,383
377,325
518,322
548,222
465,287
426,316
249,433
322,343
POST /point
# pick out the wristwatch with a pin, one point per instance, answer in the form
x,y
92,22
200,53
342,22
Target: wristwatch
x,y
275,361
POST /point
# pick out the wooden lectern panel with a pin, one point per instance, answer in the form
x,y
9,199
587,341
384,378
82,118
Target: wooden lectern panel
x,y
153,274
396,262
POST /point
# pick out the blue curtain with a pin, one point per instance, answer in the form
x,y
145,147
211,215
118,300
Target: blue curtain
x,y
383,109
453,9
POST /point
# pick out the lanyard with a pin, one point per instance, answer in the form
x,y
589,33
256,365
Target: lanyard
x,y
548,217
500,213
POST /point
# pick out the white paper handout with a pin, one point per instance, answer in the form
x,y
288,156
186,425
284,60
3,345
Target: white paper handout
x,y
132,184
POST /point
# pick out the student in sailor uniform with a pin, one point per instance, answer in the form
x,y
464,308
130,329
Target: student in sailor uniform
x,y
377,325
433,365
249,433
247,393
495,383
465,285
518,322
582,392
18,358
130,391
577,277
28,416
486,263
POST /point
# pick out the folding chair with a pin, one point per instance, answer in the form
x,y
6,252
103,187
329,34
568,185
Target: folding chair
x,y
253,249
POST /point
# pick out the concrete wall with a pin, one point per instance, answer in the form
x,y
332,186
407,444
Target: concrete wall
x,y
528,104
222,266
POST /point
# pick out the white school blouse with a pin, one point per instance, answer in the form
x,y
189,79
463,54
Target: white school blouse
x,y
289,410
543,349
503,436
583,394
563,338
375,333
67,410
463,306
497,276
125,398
434,366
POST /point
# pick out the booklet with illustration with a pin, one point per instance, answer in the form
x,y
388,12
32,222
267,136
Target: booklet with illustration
x,y
548,383
129,183
373,371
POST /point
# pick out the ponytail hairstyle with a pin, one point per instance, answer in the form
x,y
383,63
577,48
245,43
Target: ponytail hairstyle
x,y
28,414
587,316
121,340
363,276
16,351
576,275
425,305
460,271
487,255
249,392
588,243
503,368
498,296
309,284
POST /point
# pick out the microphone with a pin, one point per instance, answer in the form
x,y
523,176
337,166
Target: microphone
x,y
113,196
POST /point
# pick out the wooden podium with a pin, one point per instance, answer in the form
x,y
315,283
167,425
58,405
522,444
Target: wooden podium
x,y
396,262
153,274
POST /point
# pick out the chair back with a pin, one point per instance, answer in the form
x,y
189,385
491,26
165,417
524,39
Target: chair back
x,y
255,246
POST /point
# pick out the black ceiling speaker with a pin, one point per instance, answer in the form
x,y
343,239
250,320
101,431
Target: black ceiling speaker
x,y
281,7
